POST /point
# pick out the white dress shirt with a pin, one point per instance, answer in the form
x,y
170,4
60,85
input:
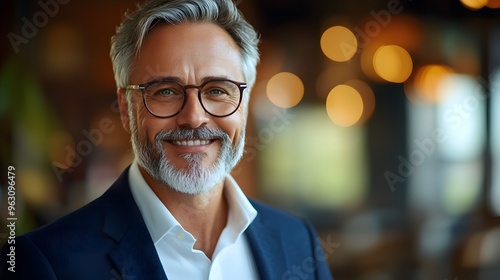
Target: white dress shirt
x,y
232,258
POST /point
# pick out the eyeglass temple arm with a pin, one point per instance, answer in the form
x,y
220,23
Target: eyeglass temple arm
x,y
133,87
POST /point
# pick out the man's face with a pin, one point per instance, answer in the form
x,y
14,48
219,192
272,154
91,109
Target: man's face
x,y
191,53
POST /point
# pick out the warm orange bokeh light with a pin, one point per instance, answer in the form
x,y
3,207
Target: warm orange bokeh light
x,y
344,105
368,97
285,90
428,79
392,63
339,44
474,4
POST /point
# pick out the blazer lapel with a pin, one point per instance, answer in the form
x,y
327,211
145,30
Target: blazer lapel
x,y
267,249
134,255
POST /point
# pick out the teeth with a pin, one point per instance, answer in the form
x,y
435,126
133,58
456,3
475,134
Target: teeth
x,y
196,142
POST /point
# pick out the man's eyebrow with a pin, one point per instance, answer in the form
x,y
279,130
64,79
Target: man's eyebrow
x,y
211,78
168,78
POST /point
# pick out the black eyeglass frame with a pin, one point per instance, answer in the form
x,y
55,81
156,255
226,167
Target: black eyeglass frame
x,y
142,87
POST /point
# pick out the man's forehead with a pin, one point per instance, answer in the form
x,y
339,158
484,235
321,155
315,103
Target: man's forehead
x,y
199,50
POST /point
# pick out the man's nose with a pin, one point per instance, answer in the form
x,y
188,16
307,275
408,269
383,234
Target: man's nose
x,y
192,114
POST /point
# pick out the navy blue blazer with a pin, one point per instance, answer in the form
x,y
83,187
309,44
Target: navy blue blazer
x,y
108,239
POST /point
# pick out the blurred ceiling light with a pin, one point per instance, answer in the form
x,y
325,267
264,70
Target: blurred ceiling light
x,y
428,79
285,90
344,105
474,4
392,63
339,44
367,96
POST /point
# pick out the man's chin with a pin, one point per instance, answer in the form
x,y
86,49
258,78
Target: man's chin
x,y
191,162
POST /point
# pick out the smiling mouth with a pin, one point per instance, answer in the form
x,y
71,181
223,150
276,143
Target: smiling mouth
x,y
193,142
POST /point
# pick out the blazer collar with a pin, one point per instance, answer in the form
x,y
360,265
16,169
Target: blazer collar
x,y
134,255
267,249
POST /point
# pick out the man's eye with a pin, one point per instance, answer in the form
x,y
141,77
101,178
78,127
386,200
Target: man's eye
x,y
165,91
216,91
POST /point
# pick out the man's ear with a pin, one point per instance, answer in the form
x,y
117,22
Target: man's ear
x,y
123,106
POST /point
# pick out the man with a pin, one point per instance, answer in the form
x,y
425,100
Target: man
x,y
176,213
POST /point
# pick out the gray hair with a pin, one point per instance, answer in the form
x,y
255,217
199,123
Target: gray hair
x,y
126,43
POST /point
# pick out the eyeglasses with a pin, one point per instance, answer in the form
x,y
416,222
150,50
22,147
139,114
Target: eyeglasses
x,y
166,98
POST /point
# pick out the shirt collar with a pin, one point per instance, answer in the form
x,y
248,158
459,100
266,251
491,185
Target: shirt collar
x,y
160,221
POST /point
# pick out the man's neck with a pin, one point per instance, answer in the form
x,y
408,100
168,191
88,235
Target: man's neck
x,y
203,215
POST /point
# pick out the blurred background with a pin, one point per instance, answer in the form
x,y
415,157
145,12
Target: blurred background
x,y
378,121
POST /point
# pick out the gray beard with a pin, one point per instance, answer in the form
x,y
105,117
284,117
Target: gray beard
x,y
195,179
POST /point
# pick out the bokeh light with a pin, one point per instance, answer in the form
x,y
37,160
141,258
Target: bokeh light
x,y
474,4
339,44
285,90
428,79
367,96
344,105
392,63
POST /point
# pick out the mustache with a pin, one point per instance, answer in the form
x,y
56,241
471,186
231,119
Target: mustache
x,y
183,133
